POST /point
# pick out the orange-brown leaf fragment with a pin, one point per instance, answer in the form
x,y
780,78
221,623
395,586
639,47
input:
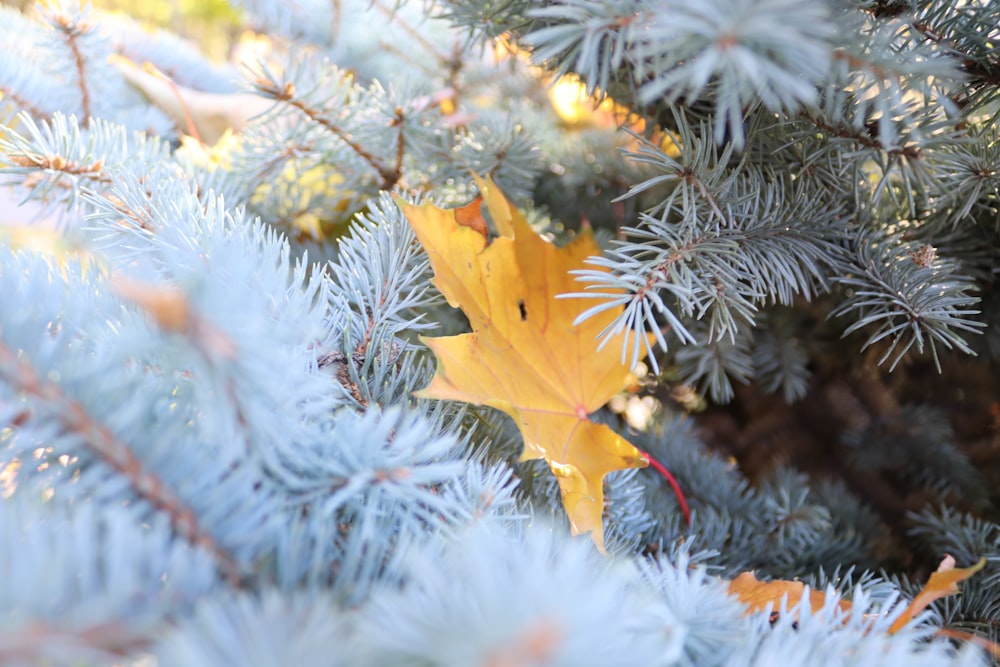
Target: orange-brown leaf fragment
x,y
524,355
758,595
941,584
472,217
167,306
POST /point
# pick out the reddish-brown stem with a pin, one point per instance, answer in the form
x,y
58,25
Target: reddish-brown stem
x,y
672,481
185,109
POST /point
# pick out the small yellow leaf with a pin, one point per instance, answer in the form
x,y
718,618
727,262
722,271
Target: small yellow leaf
x,y
308,225
167,306
941,584
524,355
216,156
758,595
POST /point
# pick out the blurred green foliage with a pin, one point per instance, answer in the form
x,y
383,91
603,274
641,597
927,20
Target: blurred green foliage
x,y
213,24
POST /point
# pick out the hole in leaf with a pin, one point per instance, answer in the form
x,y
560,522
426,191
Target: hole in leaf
x,y
524,312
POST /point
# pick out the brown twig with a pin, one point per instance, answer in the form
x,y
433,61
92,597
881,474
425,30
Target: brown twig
x,y
72,30
342,371
59,163
662,271
985,72
286,94
144,220
400,146
8,93
117,454
415,34
868,141
39,642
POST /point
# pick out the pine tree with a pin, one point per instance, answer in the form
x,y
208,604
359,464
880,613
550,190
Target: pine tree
x,y
212,454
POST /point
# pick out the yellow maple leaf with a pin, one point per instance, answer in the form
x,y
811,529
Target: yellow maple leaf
x,y
524,355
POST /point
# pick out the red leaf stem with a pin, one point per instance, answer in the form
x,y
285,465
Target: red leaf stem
x,y
672,481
